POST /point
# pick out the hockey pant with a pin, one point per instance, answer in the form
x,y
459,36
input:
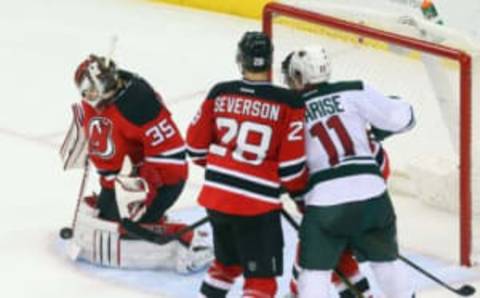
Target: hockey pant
x,y
250,246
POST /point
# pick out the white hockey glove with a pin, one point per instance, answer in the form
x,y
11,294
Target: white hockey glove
x,y
131,193
73,151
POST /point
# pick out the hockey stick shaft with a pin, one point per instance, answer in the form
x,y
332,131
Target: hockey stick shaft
x,y
81,191
111,49
290,220
160,239
342,276
67,232
464,290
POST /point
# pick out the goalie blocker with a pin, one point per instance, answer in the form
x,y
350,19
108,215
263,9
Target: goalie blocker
x,y
105,243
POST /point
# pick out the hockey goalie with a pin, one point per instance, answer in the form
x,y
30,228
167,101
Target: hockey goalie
x,y
124,129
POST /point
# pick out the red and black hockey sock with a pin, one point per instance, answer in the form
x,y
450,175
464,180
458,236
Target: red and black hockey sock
x,y
361,286
293,281
219,280
256,287
348,266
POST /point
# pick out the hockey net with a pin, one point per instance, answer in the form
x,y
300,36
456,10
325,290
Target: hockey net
x,y
434,68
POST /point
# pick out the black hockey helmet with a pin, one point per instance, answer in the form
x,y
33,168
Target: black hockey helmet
x,y
287,79
255,51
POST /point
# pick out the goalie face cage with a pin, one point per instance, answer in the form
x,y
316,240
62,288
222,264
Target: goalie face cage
x,y
463,92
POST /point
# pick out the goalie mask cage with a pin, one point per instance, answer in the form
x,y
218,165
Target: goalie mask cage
x,y
438,161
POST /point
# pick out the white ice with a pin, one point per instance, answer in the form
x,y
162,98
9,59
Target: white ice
x,y
182,52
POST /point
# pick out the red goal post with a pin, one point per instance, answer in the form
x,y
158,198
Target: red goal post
x,y
464,60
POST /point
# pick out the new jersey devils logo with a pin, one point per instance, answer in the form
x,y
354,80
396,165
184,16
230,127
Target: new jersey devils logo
x,y
100,137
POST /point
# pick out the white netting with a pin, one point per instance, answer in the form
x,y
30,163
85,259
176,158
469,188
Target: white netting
x,y
426,160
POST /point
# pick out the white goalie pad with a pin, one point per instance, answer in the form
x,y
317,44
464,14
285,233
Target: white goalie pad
x,y
73,151
197,256
99,242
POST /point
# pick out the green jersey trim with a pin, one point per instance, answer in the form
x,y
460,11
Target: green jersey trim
x,y
341,172
358,158
329,88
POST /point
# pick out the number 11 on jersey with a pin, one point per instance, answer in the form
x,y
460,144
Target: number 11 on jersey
x,y
321,131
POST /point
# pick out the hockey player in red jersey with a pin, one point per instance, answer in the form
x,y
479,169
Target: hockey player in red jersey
x,y
249,136
123,116
123,120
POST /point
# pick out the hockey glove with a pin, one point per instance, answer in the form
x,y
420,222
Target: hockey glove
x,y
379,134
131,194
152,177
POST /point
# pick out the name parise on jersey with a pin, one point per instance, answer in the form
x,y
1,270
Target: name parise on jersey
x,y
339,155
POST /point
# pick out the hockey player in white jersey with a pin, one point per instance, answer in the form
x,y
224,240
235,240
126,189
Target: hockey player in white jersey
x,y
347,202
347,265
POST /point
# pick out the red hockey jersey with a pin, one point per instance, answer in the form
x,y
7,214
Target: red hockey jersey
x,y
138,125
250,137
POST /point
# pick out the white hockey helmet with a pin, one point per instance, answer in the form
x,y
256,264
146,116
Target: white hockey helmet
x,y
96,79
311,65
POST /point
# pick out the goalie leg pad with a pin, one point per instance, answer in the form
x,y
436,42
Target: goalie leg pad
x,y
100,242
95,240
197,256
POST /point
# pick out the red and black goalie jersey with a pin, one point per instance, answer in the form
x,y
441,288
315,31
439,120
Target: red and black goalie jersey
x,y
136,124
250,137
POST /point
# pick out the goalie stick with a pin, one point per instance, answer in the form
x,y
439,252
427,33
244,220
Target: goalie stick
x,y
342,276
67,232
464,291
160,239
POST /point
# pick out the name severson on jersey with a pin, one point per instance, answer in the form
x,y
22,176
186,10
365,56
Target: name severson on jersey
x,y
240,128
247,106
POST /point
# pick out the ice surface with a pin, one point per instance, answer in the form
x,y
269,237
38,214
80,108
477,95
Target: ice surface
x,y
182,53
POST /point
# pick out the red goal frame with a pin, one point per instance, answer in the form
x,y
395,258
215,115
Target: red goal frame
x,y
464,60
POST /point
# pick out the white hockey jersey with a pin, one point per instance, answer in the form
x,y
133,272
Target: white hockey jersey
x,y
339,154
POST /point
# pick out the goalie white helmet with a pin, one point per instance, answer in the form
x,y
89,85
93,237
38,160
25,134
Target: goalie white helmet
x,y
310,65
96,79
